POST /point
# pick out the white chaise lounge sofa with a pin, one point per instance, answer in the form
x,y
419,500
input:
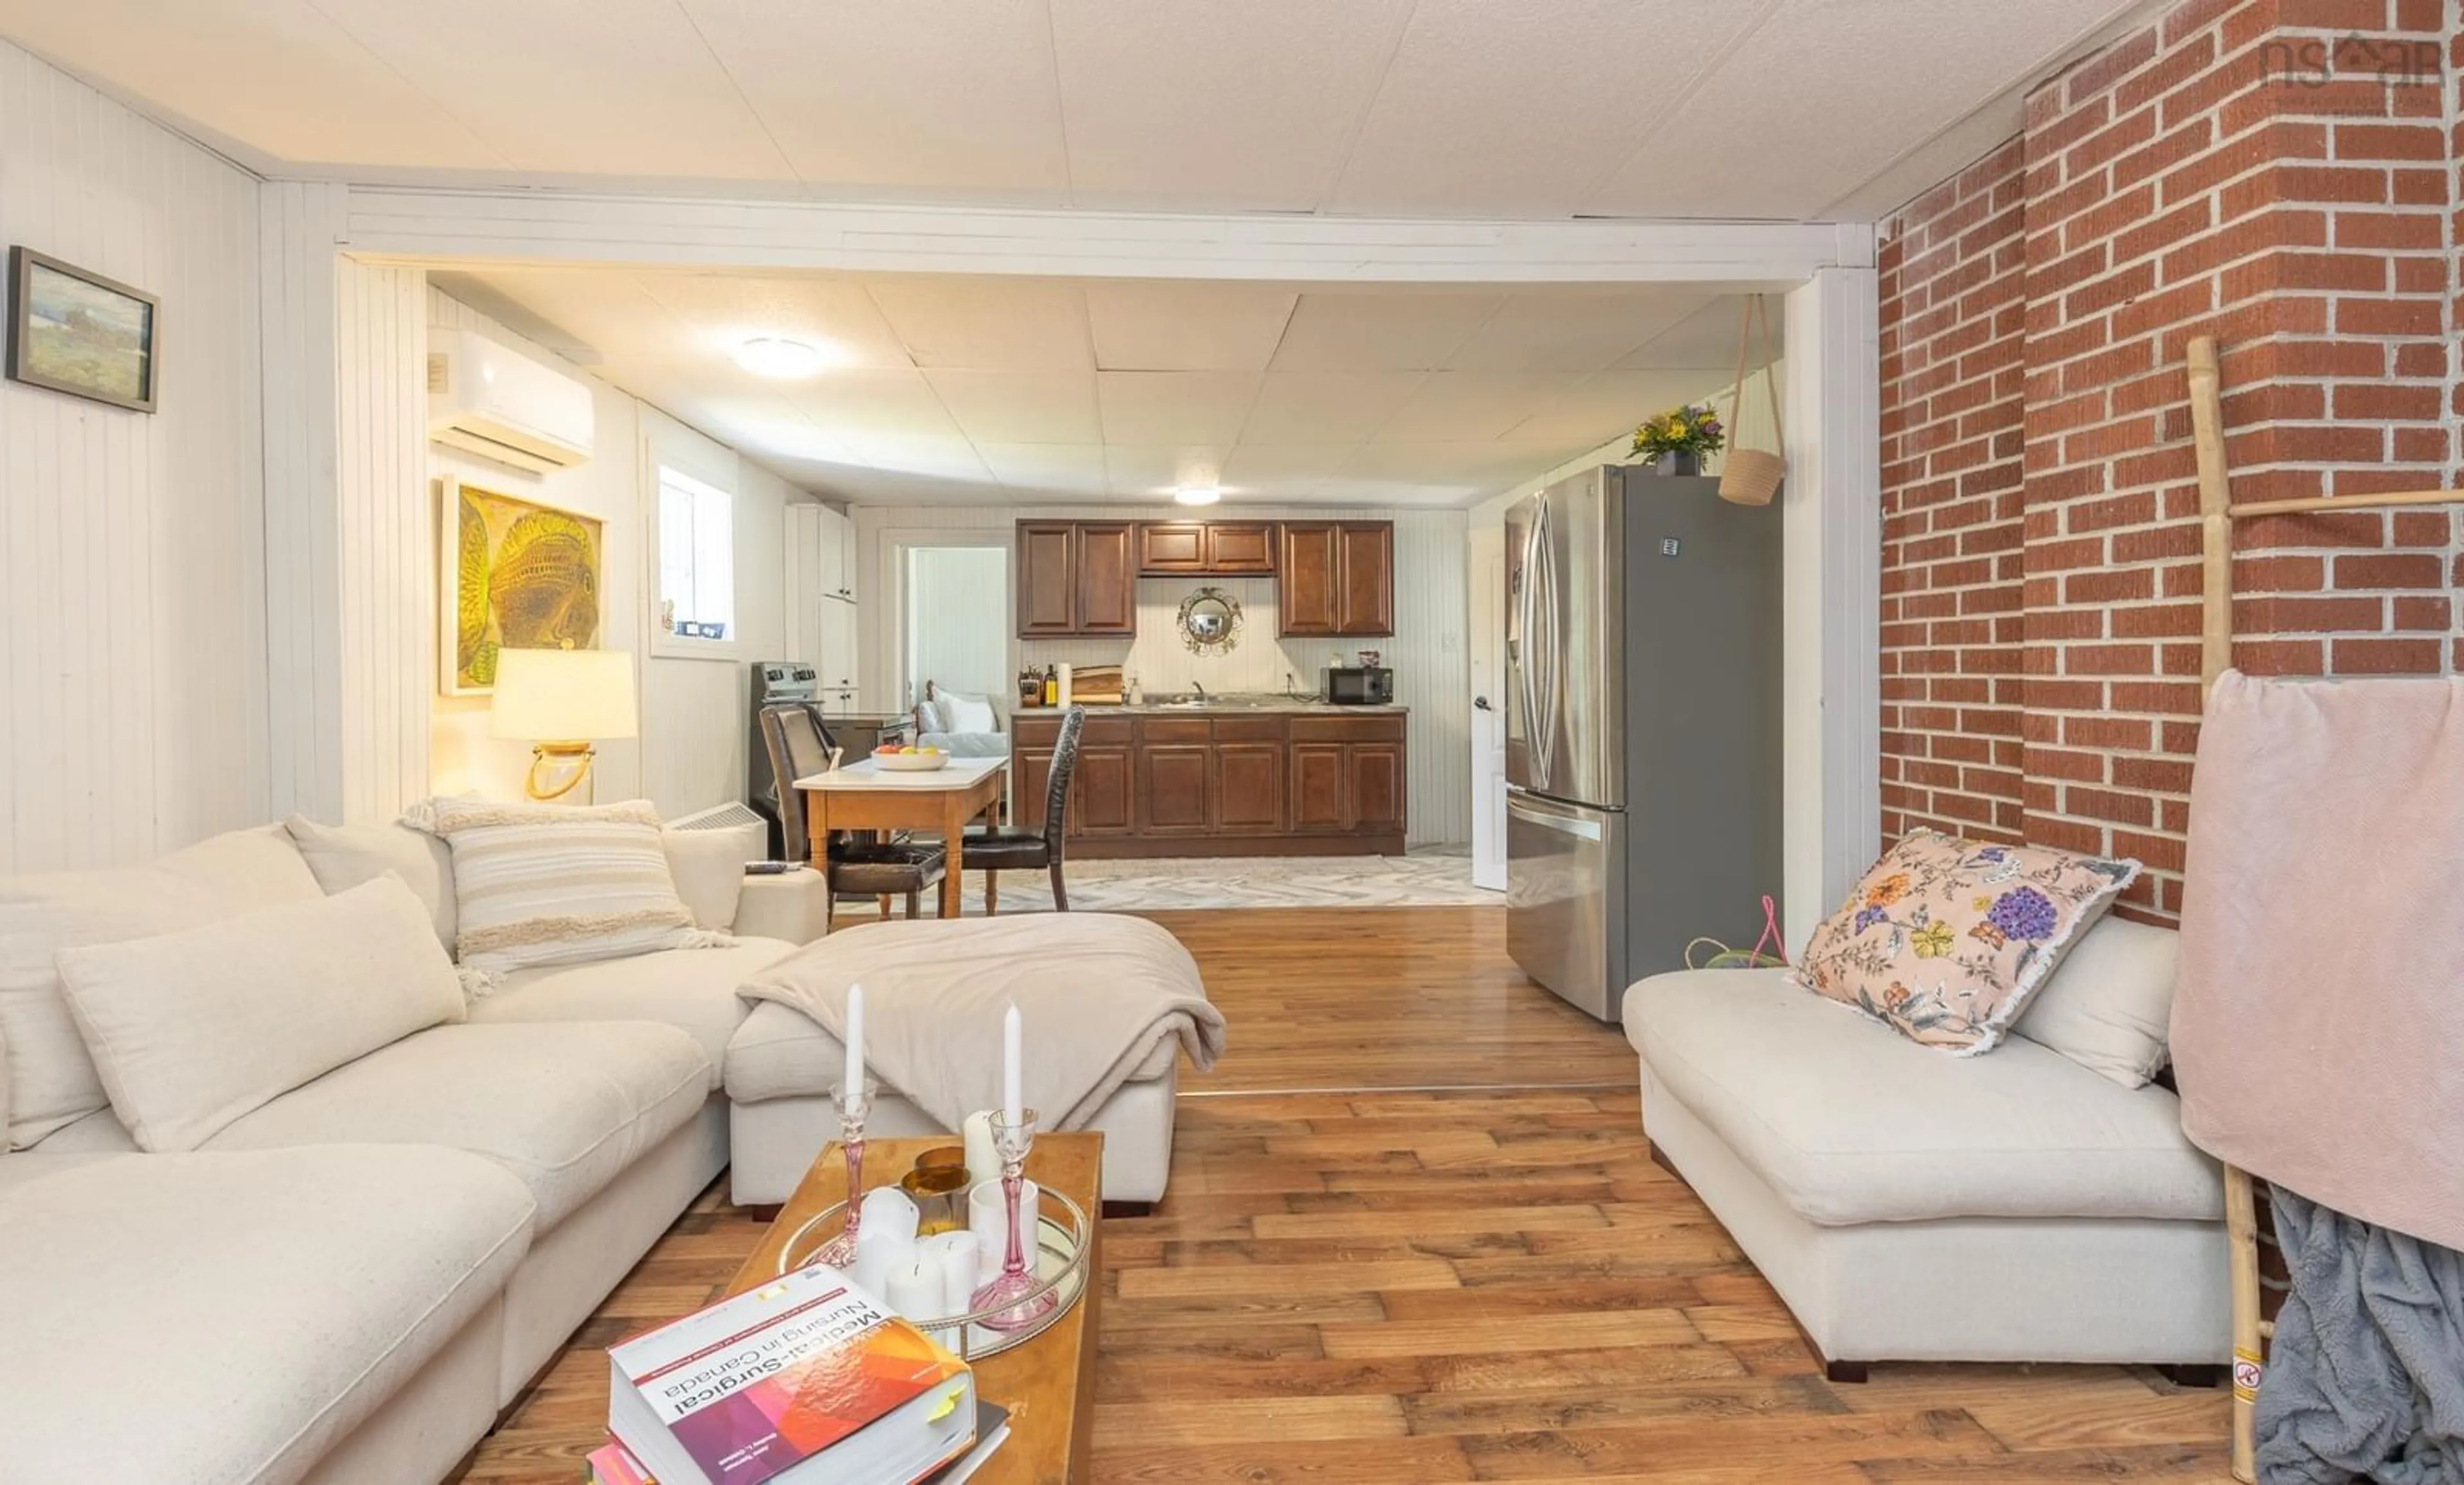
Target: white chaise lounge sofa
x,y
1912,1205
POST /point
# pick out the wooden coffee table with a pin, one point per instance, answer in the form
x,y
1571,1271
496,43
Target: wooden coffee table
x,y
1048,1383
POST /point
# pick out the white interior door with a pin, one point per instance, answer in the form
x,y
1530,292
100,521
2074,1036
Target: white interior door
x,y
1489,708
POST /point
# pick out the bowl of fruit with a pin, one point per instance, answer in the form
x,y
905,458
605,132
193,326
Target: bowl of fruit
x,y
910,760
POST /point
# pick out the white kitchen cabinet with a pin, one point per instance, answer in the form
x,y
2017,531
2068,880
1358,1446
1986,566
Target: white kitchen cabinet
x,y
834,562
834,653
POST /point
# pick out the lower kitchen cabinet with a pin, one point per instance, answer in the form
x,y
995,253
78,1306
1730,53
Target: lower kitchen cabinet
x,y
1234,783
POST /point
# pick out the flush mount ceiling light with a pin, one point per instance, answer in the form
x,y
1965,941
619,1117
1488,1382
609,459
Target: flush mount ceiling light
x,y
1197,495
774,355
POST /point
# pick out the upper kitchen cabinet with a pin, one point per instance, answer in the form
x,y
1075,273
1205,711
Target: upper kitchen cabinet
x,y
1337,579
834,564
1206,549
1076,577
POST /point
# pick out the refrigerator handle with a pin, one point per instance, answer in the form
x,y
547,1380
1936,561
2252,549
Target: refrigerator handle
x,y
1547,691
1526,653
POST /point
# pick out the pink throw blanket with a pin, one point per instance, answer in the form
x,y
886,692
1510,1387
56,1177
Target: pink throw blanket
x,y
2318,1029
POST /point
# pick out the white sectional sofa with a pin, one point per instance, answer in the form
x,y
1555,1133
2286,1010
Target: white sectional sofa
x,y
349,1282
1912,1205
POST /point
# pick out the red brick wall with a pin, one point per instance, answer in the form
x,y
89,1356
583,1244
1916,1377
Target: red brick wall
x,y
1951,275
2281,174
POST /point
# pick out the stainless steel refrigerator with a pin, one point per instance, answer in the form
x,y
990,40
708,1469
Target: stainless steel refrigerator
x,y
1642,741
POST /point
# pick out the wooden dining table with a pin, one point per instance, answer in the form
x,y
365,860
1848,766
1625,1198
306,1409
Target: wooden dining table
x,y
864,796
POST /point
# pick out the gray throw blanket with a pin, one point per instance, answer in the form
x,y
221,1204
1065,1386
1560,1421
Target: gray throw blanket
x,y
2366,1377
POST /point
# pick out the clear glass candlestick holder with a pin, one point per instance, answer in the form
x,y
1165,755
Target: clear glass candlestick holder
x,y
855,1105
1012,1295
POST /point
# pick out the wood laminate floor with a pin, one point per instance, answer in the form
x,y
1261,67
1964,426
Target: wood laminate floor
x,y
1393,1287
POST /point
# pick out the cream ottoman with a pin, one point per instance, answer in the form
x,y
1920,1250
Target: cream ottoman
x,y
782,1062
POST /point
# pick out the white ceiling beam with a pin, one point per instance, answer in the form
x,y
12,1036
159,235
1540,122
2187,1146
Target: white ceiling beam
x,y
510,228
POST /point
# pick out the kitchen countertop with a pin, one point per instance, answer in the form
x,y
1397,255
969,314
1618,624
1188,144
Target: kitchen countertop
x,y
1224,706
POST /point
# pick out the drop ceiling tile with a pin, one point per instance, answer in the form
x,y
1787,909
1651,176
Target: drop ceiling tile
x,y
915,453
1379,332
1230,106
870,403
1059,468
1175,407
1286,470
1326,407
1547,330
1461,405
1186,327
859,93
1705,339
1020,407
611,86
1149,469
1609,403
725,310
1829,95
1491,108
277,76
988,325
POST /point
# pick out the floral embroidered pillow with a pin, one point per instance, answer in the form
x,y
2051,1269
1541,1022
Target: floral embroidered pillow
x,y
1946,939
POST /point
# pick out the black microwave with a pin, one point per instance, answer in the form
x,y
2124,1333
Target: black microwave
x,y
1360,685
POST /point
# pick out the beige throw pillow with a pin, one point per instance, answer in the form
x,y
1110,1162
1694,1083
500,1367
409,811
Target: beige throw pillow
x,y
1945,940
192,1029
53,1082
2109,1007
342,856
559,884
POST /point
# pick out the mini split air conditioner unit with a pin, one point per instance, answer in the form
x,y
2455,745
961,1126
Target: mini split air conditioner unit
x,y
504,406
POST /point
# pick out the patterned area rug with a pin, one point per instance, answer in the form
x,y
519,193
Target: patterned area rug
x,y
1435,879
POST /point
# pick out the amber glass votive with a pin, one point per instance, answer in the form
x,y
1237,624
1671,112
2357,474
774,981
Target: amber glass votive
x,y
939,1187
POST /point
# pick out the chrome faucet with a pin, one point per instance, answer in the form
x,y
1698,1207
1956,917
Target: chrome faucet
x,y
1200,688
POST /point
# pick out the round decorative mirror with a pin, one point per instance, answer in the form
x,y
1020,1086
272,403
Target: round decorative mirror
x,y
1210,621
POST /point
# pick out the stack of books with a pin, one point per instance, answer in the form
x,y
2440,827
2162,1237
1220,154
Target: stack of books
x,y
802,1381
611,1464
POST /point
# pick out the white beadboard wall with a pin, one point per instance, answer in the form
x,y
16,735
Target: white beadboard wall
x,y
690,753
1432,675
130,543
386,538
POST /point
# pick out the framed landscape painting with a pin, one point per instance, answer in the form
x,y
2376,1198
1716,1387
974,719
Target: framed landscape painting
x,y
517,575
79,333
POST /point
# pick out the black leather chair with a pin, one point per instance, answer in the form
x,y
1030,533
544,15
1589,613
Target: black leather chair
x,y
800,745
1016,851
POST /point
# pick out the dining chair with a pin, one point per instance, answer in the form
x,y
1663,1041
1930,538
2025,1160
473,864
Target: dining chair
x,y
800,746
1020,850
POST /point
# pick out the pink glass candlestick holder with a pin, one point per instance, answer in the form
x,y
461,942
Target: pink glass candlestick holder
x,y
855,1104
1012,1293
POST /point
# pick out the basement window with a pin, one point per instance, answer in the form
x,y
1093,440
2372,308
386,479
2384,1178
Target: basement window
x,y
696,559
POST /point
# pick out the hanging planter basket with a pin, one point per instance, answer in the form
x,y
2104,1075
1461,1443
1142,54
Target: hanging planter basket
x,y
1751,477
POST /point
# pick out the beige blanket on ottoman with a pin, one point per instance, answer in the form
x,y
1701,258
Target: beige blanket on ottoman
x,y
1096,993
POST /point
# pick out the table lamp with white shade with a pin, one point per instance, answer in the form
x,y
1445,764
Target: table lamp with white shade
x,y
562,701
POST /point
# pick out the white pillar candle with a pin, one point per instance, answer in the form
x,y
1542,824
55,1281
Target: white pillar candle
x,y
915,1290
983,1162
885,1238
855,1038
985,1211
1012,1110
953,1256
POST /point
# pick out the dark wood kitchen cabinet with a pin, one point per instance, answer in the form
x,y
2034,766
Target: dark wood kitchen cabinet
x,y
1232,783
1335,579
1206,549
1101,789
1076,577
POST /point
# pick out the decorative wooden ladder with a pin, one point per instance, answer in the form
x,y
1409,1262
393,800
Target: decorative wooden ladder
x,y
2217,515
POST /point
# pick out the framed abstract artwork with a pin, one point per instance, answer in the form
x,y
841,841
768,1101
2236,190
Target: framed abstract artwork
x,y
79,333
516,575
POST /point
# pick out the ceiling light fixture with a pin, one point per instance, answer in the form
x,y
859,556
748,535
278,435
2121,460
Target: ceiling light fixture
x,y
1197,495
773,355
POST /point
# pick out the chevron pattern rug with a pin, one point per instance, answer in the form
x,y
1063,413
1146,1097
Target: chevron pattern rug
x,y
1433,879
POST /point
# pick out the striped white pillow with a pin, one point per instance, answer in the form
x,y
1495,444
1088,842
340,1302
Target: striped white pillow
x,y
557,884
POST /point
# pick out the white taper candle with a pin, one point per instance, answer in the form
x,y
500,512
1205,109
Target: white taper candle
x,y
1012,1109
855,1039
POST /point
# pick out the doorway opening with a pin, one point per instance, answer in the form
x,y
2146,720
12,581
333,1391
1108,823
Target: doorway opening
x,y
954,620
